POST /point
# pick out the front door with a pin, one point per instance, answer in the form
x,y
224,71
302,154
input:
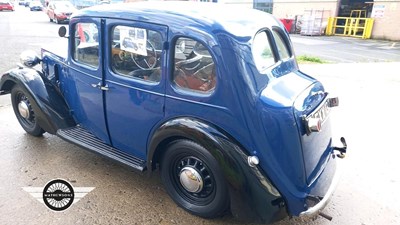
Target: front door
x,y
135,81
84,80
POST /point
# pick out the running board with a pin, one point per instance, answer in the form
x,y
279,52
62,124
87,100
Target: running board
x,y
80,136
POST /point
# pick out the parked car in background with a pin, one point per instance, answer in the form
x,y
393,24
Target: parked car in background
x,y
219,105
27,3
21,2
102,2
35,6
60,11
6,6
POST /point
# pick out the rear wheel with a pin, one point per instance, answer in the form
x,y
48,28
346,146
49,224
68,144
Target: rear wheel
x,y
24,112
194,180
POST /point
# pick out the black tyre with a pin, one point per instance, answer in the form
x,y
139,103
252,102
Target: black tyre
x,y
24,112
194,180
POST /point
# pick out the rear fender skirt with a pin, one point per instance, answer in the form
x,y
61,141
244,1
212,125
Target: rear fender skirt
x,y
51,110
253,198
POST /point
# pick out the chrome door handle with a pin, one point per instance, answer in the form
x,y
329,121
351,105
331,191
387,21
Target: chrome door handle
x,y
103,88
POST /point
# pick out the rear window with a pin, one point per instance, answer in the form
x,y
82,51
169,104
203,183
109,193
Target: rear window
x,y
283,50
262,51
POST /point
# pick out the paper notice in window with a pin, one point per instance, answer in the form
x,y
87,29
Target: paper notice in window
x,y
133,40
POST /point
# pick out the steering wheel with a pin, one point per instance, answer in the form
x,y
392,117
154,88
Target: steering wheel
x,y
146,62
189,64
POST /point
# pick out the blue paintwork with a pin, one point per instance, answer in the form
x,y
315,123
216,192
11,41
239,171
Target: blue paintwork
x,y
133,106
259,113
85,101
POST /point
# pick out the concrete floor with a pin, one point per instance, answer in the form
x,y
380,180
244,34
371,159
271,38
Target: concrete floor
x,y
337,49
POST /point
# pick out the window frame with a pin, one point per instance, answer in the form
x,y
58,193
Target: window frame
x,y
73,46
111,67
285,41
272,46
268,7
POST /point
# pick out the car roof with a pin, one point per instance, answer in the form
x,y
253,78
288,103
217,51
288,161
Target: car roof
x,y
209,17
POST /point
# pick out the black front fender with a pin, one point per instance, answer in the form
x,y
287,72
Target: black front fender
x,y
253,197
51,110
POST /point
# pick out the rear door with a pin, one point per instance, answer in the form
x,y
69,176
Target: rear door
x,y
135,79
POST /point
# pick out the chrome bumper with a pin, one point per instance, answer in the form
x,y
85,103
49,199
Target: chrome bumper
x,y
315,210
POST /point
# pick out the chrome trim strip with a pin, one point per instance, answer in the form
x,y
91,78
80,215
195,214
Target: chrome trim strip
x,y
313,211
196,102
135,88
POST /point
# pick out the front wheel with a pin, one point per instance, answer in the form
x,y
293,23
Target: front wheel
x,y
24,112
194,180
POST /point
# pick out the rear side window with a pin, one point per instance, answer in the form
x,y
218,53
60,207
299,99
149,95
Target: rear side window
x,y
283,50
86,44
194,67
262,52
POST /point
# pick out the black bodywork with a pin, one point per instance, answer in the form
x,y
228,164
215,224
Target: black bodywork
x,y
52,112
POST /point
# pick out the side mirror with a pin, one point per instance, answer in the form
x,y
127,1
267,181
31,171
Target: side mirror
x,y
29,58
62,31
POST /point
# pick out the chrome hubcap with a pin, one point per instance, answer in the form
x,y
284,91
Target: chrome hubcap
x,y
23,109
191,180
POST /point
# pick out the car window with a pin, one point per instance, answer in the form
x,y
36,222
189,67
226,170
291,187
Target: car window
x,y
262,52
283,50
86,44
136,53
194,67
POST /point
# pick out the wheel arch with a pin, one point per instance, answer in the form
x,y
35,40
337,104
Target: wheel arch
x,y
180,128
7,86
253,197
49,105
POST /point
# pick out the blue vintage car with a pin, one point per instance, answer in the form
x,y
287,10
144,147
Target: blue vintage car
x,y
214,100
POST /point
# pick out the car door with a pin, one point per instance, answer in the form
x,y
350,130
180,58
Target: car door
x,y
134,76
84,84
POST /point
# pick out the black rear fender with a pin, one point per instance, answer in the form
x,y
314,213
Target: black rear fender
x,y
252,195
